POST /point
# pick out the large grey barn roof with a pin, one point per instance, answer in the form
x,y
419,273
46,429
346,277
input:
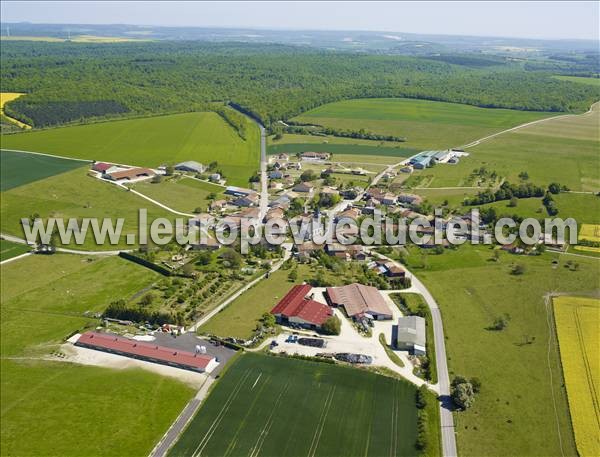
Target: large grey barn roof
x,y
411,330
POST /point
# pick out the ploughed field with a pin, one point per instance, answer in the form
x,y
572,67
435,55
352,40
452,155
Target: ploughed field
x,y
288,407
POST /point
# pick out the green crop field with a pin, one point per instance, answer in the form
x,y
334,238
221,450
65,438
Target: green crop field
x,y
8,249
266,405
18,168
152,141
581,80
425,124
184,194
74,194
514,413
119,412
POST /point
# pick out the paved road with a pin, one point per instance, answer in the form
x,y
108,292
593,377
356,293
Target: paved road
x,y
264,182
177,427
527,124
15,239
447,421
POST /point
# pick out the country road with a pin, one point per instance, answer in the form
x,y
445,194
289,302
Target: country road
x,y
446,419
527,124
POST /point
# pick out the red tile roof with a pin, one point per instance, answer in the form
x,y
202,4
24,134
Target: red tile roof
x,y
131,173
101,166
295,304
146,351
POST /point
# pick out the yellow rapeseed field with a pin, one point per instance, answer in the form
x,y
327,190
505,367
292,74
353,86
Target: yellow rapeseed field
x,y
578,328
589,232
6,97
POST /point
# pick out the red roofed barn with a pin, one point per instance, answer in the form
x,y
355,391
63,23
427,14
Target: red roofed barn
x,y
297,309
146,351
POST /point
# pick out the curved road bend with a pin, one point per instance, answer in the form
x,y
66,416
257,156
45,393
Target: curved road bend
x,y
446,419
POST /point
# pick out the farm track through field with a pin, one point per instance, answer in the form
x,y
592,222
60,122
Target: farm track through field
x,y
321,424
255,452
551,339
527,124
211,430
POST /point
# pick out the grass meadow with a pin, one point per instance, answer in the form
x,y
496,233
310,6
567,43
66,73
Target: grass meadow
x,y
267,405
181,194
519,367
74,194
18,168
240,317
119,412
152,141
577,324
8,249
425,124
581,80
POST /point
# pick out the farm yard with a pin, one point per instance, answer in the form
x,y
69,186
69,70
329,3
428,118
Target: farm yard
x,y
267,405
38,312
425,124
152,141
18,168
513,413
577,322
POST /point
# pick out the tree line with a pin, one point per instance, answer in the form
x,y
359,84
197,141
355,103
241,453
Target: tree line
x,y
74,81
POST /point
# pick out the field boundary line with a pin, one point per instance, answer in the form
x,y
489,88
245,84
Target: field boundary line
x,y
47,155
215,424
12,259
551,329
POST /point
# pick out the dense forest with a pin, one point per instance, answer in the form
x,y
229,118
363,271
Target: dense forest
x,y
75,81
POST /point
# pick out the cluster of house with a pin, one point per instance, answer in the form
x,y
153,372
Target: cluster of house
x,y
359,302
119,173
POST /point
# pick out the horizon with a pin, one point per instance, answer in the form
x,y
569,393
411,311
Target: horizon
x,y
546,21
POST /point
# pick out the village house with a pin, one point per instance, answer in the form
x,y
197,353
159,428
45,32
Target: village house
x,y
304,187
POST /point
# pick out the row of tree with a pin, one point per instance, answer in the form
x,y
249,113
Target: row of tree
x,y
272,82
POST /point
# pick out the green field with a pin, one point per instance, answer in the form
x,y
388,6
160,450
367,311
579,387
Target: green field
x,y
8,249
74,194
240,317
17,168
152,141
581,80
425,124
514,413
584,208
335,149
184,194
120,413
266,405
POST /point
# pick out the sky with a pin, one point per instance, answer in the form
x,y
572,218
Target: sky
x,y
537,19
